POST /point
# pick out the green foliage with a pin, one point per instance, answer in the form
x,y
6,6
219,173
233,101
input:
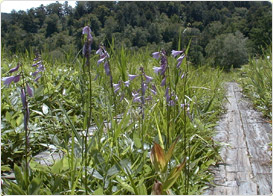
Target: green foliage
x,y
117,149
228,50
256,80
136,25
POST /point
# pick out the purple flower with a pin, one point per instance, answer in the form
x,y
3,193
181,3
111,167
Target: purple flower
x,y
153,89
35,64
16,78
23,98
122,97
101,60
14,69
29,91
171,103
35,73
87,45
157,69
135,94
86,49
41,67
179,60
163,82
148,78
131,77
175,53
86,30
149,98
136,97
99,51
116,87
156,55
8,80
182,76
107,68
127,83
163,62
145,86
37,78
26,118
167,95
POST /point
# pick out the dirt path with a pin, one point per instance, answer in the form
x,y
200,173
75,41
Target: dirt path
x,y
247,163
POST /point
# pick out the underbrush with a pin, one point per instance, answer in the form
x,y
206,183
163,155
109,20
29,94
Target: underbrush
x,y
256,81
121,128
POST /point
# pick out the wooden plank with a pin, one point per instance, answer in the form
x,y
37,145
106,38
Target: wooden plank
x,y
247,167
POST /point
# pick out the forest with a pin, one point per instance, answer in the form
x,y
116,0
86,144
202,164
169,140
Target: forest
x,y
243,28
126,97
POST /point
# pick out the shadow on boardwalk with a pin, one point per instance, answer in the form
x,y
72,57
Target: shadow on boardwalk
x,y
247,167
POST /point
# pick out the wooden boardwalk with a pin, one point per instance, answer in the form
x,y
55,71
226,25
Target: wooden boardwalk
x,y
247,167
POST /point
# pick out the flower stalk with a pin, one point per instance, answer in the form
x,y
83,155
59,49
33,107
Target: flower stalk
x,y
88,39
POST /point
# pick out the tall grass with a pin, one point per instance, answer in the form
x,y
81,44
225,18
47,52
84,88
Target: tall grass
x,y
256,80
117,142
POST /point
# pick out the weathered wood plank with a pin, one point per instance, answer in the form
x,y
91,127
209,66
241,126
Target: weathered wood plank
x,y
247,168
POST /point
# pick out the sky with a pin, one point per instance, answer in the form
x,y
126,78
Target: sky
x,y
8,5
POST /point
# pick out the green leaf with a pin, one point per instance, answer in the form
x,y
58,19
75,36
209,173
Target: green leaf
x,y
57,167
169,154
112,171
99,191
34,186
141,188
125,186
35,166
19,176
19,119
8,116
159,133
137,140
5,168
97,175
174,174
70,122
16,190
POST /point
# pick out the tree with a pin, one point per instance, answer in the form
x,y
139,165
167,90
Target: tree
x,y
227,50
52,24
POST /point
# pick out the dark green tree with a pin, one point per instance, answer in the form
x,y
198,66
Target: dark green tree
x,y
227,50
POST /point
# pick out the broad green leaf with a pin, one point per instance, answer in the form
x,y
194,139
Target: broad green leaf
x,y
159,133
5,168
71,124
19,176
141,188
8,116
97,175
16,190
125,185
19,119
137,140
174,174
37,166
112,171
57,167
99,191
169,154
34,186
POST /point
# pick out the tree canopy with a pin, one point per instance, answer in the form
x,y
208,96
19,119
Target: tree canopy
x,y
134,25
